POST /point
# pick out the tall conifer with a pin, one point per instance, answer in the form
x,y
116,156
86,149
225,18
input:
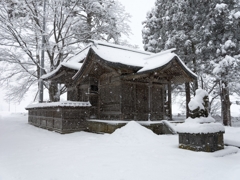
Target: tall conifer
x,y
206,35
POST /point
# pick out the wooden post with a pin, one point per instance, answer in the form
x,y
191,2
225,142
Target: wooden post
x,y
149,100
135,101
164,99
188,97
170,100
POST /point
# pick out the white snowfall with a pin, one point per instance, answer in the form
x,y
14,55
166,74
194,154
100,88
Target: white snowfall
x,y
130,153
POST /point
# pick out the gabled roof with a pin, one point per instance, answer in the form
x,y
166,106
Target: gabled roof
x,y
72,63
69,65
120,54
117,56
161,59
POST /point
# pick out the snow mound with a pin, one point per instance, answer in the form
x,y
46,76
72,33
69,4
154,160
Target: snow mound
x,y
226,151
231,142
133,132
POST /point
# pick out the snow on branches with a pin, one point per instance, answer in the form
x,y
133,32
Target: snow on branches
x,y
69,24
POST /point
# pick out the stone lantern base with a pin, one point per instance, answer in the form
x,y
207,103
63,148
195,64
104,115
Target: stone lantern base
x,y
207,142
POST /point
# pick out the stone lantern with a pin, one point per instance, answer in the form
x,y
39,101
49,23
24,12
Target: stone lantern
x,y
200,132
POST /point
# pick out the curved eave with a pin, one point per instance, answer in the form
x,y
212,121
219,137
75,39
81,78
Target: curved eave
x,y
64,65
187,70
191,74
84,67
51,74
63,75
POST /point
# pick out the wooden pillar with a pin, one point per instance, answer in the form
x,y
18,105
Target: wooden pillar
x,y
188,97
149,100
170,100
164,99
135,101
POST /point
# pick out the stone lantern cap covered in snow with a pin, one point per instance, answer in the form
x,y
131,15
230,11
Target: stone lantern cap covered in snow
x,y
199,105
200,132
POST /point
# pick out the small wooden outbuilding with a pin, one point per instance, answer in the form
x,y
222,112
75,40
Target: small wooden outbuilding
x,y
117,83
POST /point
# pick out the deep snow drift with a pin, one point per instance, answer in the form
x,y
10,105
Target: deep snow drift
x,y
132,152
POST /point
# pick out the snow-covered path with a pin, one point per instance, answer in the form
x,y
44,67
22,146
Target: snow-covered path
x,y
132,152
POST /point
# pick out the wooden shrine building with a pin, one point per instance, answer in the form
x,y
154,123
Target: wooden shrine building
x,y
111,82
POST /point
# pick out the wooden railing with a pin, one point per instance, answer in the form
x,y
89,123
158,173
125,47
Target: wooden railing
x,y
59,118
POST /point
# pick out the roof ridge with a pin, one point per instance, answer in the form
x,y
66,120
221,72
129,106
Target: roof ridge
x,y
161,53
87,46
107,44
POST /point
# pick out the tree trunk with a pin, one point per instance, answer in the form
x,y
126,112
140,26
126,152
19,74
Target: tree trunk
x,y
38,77
53,92
188,97
89,26
225,104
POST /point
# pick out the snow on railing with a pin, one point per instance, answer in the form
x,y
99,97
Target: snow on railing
x,y
59,104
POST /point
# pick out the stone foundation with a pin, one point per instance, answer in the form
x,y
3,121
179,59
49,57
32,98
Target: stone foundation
x,y
104,126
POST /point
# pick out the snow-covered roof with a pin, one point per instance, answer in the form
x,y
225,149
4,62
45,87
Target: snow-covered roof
x,y
70,65
132,57
59,104
145,61
120,54
80,55
162,58
156,61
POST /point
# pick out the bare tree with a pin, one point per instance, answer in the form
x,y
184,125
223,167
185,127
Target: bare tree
x,y
68,26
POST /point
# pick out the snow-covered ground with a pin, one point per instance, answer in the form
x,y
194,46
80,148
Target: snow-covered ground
x,y
132,152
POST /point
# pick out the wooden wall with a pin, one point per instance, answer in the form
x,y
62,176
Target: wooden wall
x,y
72,94
128,100
84,92
114,99
109,96
141,102
158,99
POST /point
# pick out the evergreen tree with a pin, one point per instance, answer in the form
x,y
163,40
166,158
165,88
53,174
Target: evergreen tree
x,y
224,26
206,35
170,23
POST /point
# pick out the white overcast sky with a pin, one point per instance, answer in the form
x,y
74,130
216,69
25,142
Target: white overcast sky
x,y
137,9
